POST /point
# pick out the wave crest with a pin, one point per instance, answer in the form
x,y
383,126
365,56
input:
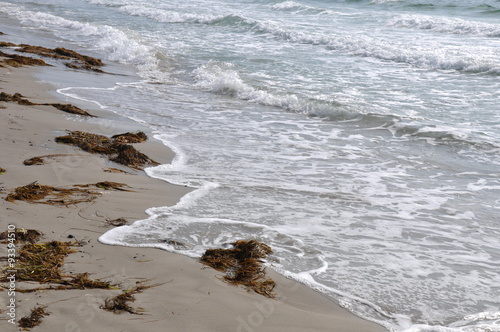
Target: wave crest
x,y
446,25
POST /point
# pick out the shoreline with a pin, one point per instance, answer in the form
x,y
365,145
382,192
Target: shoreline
x,y
188,296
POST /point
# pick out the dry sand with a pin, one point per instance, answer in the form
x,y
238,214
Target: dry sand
x,y
190,297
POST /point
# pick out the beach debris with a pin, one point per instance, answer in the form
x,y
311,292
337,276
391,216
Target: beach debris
x,y
89,142
117,222
34,318
71,58
15,60
137,137
106,185
115,170
124,154
40,160
72,109
22,235
16,97
2,171
242,265
42,263
82,281
129,156
21,100
38,193
119,304
34,161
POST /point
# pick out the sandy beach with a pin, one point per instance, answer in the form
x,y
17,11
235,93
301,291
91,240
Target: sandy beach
x,y
186,295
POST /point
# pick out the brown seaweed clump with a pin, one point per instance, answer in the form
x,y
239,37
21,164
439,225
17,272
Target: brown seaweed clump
x,y
34,161
92,143
77,60
19,98
16,97
129,156
137,137
38,193
118,152
15,60
106,185
72,109
22,235
115,170
34,319
40,160
242,265
2,171
42,262
119,304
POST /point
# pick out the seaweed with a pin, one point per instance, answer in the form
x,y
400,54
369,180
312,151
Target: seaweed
x,y
92,143
137,137
34,319
39,50
2,171
42,262
124,154
43,194
15,60
84,66
40,160
118,304
107,185
77,56
23,235
19,98
68,108
242,265
16,97
82,281
115,170
117,222
34,161
78,61
129,156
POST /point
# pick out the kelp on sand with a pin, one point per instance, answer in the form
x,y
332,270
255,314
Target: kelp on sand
x,y
42,263
117,151
21,100
33,319
119,303
22,235
38,193
242,265
70,58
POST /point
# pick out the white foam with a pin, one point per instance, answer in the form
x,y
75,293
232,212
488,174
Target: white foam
x,y
167,16
430,56
223,78
298,7
379,2
446,25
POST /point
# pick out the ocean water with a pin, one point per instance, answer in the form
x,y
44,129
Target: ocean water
x,y
359,138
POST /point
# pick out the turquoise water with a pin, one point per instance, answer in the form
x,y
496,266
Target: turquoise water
x,y
360,139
